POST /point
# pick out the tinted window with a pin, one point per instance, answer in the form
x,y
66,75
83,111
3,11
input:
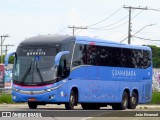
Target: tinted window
x,y
111,56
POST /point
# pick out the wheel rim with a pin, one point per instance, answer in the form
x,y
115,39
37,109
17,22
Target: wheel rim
x,y
125,101
72,100
134,100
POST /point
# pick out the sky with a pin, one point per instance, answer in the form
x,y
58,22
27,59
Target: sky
x,y
21,19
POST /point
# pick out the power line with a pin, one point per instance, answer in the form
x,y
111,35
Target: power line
x,y
138,31
62,30
146,39
75,27
158,10
114,22
117,25
110,28
79,32
106,18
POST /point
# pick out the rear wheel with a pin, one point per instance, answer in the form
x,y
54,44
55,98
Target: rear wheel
x,y
133,101
72,101
124,103
32,105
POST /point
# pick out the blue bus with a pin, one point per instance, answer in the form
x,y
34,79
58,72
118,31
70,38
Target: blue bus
x,y
71,70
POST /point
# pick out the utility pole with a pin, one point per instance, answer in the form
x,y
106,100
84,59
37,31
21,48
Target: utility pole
x,y
3,37
129,23
75,27
6,50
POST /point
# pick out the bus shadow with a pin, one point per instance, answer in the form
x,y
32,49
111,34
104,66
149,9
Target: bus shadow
x,y
76,109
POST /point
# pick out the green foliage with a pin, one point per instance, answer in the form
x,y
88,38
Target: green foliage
x,y
11,59
5,98
155,97
155,56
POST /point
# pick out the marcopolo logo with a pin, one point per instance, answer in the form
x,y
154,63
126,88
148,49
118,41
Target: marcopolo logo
x,y
123,73
36,53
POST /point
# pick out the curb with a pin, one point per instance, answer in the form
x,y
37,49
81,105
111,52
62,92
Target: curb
x,y
148,106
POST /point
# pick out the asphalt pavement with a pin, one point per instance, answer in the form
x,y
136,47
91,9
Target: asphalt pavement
x,y
25,105
60,112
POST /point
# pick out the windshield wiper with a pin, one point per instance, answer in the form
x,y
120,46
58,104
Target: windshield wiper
x,y
40,75
26,73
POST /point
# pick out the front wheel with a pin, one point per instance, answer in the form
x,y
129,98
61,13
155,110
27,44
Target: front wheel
x,y
32,105
72,101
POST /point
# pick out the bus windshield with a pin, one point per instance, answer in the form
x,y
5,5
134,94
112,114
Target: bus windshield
x,y
34,69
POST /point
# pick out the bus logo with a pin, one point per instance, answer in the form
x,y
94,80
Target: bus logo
x,y
36,53
123,73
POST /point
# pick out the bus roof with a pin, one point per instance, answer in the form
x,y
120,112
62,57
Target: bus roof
x,y
52,40
46,40
98,41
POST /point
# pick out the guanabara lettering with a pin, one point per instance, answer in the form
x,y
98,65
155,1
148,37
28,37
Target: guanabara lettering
x,y
123,73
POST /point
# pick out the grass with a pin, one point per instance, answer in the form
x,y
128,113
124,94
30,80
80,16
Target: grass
x,y
6,98
155,97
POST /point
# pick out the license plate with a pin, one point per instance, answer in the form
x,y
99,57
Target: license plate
x,y
32,99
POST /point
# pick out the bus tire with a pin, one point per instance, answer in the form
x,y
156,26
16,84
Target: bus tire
x,y
124,103
133,101
32,105
72,101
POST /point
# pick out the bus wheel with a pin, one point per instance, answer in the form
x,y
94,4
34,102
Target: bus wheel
x,y
133,101
32,105
124,103
72,101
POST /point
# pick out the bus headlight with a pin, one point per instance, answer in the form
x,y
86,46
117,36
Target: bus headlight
x,y
14,97
53,88
48,90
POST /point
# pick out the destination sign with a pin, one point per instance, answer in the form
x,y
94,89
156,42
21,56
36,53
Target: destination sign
x,y
36,52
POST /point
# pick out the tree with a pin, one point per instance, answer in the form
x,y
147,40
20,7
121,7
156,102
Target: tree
x,y
11,59
155,56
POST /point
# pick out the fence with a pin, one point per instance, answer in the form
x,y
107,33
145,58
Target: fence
x,y
156,79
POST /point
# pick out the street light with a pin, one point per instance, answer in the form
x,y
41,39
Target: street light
x,y
143,28
138,31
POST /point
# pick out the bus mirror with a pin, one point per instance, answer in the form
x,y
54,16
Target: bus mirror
x,y
58,57
6,59
57,61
